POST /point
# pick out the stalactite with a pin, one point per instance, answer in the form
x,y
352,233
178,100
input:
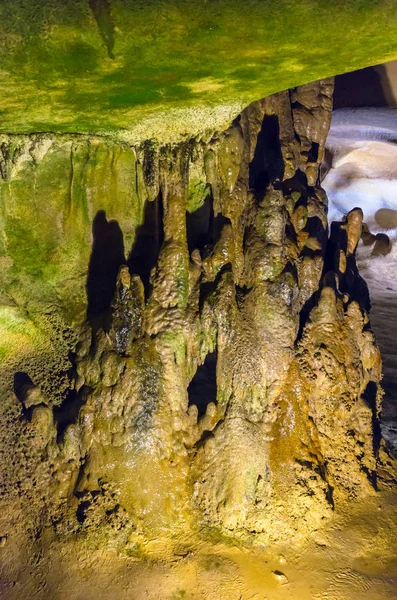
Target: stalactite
x,y
232,382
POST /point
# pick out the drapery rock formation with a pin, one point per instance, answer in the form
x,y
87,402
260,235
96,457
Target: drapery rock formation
x,y
226,378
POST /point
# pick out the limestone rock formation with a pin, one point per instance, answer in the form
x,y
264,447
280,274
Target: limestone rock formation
x,y
226,377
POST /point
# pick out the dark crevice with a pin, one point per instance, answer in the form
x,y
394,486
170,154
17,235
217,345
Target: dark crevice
x,y
241,294
102,12
305,312
218,224
267,166
68,412
350,282
369,397
22,385
290,269
290,232
355,285
329,495
313,152
78,492
206,240
206,435
202,388
199,227
296,183
321,469
337,241
149,237
372,476
106,258
315,228
81,511
206,289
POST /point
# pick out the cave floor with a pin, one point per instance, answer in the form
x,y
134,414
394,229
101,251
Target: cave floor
x,y
353,557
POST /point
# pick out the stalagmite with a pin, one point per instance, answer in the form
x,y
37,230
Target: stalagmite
x,y
236,276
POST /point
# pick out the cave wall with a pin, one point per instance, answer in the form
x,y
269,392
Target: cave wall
x,y
213,368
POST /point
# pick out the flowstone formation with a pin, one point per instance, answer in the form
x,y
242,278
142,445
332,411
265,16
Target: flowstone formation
x,y
225,381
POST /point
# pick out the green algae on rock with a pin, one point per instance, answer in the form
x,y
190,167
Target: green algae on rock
x,y
140,69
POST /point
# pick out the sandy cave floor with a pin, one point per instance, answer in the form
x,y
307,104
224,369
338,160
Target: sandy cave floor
x,y
353,558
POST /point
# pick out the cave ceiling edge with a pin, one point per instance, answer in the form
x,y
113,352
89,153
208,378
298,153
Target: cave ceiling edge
x,y
135,70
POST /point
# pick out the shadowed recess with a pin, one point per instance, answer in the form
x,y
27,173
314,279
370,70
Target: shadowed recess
x,y
148,241
318,233
106,258
267,164
350,281
369,396
365,87
103,16
199,225
202,388
68,412
22,385
313,153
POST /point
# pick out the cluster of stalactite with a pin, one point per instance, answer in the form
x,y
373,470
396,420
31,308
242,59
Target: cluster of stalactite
x,y
233,380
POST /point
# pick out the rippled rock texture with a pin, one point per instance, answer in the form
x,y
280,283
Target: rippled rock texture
x,y
225,380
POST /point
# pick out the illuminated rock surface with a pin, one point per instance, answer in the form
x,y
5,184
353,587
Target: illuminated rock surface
x,y
190,386
224,389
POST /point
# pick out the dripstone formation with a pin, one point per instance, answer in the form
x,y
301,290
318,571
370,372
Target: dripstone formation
x,y
225,378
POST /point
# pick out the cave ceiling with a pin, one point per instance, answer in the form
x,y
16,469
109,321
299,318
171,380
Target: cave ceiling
x,y
138,69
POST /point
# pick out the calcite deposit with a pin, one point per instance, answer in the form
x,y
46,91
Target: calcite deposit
x,y
223,378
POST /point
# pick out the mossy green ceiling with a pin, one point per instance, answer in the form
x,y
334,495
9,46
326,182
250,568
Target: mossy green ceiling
x,y
152,68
